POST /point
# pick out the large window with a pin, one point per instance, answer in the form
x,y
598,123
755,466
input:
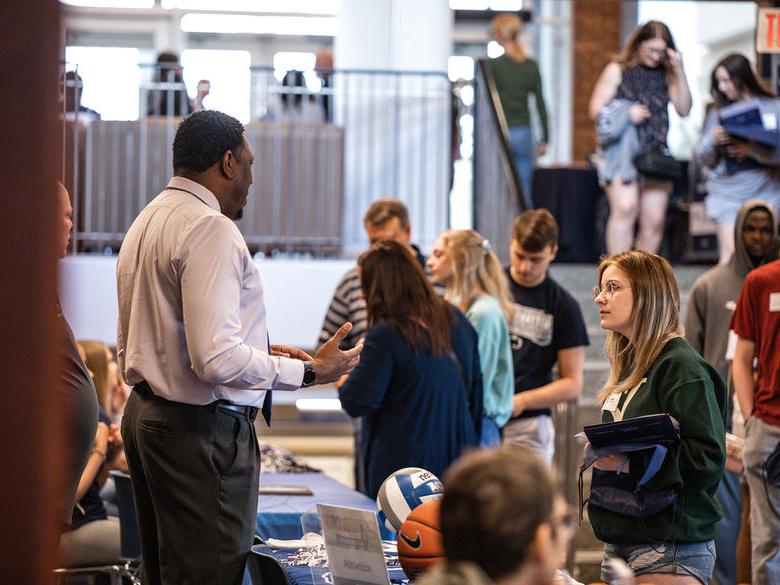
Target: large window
x,y
229,76
111,78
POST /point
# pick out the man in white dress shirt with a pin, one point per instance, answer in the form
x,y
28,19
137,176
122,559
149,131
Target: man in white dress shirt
x,y
193,342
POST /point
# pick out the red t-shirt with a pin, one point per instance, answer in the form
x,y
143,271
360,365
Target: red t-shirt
x,y
757,319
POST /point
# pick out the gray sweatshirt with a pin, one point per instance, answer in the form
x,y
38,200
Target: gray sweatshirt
x,y
714,295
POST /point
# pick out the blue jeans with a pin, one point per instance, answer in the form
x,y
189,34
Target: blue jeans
x,y
521,139
696,559
729,496
491,434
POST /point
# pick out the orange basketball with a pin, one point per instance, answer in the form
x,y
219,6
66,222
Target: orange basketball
x,y
419,540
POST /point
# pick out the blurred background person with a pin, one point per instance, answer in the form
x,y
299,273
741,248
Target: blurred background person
x,y
517,76
93,537
476,284
648,73
171,97
418,384
502,522
73,91
547,329
737,169
711,304
296,103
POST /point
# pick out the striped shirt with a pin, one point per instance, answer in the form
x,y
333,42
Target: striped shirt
x,y
348,305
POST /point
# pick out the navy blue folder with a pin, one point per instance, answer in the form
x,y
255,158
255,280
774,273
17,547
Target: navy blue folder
x,y
652,428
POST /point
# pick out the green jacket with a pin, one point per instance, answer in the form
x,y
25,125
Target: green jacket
x,y
682,384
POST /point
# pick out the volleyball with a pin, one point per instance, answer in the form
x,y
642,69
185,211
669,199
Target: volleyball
x,y
403,491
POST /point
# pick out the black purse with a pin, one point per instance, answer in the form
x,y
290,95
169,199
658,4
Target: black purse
x,y
658,165
771,472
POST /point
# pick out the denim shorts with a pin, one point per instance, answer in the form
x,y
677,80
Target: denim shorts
x,y
695,558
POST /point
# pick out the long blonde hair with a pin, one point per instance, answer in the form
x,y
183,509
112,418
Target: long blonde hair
x,y
655,318
506,30
98,362
476,271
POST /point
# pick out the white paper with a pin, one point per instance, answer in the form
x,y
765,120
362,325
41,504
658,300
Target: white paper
x,y
353,545
769,120
731,346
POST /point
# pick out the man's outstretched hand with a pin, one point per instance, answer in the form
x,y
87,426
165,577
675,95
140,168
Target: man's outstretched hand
x,y
330,362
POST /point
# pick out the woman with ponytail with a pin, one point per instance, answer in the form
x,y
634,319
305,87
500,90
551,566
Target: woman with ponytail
x,y
655,371
516,76
476,284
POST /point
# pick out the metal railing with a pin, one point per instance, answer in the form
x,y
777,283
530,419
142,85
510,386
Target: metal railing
x,y
321,158
497,191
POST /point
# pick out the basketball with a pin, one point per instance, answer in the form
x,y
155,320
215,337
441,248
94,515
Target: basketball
x,y
403,491
419,540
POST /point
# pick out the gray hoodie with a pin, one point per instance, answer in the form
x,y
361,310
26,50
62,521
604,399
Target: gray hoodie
x,y
714,295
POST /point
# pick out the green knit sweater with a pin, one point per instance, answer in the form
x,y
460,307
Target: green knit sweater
x,y
514,81
682,384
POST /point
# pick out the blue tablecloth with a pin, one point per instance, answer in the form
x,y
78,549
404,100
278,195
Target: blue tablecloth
x,y
314,576
280,516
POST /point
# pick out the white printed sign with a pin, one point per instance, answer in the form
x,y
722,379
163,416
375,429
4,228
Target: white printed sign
x,y
353,546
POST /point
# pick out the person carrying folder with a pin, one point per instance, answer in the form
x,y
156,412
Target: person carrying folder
x,y
655,371
738,170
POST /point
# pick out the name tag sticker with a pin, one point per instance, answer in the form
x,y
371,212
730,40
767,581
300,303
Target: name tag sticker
x,y
611,403
731,346
774,302
769,120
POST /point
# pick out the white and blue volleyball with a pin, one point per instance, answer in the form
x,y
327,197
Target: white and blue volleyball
x,y
403,491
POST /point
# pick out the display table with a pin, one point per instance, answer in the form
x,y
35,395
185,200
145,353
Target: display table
x,y
573,196
279,516
272,567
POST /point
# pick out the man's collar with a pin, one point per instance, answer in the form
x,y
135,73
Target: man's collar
x,y
190,186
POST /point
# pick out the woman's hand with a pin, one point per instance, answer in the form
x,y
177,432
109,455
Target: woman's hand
x,y
720,135
739,149
541,149
675,60
638,114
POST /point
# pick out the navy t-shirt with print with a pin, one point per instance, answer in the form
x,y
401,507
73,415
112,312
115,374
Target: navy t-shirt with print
x,y
547,319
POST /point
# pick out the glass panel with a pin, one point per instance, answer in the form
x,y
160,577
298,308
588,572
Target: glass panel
x,y
111,78
229,77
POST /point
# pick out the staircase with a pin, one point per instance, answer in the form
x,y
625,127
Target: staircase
x,y
579,279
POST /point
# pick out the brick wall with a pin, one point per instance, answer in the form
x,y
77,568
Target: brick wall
x,y
597,36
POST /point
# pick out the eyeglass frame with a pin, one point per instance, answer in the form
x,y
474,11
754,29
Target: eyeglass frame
x,y
609,290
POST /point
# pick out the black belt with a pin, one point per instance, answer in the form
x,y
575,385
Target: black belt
x,y
249,412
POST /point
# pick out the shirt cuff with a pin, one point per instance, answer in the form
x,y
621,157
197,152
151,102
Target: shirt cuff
x,y
290,374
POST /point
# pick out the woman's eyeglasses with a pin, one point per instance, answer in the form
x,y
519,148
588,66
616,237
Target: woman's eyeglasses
x,y
608,291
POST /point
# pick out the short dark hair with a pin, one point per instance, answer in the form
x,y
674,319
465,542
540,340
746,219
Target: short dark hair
x,y
494,501
202,139
535,229
383,210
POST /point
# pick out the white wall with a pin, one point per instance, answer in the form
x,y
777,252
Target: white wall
x,y
297,295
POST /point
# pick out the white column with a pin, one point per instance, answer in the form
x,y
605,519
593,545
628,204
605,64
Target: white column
x,y
403,35
396,126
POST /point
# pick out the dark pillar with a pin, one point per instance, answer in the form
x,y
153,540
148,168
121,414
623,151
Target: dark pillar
x,y
29,412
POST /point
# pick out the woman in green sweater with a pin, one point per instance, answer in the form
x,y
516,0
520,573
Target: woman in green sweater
x,y
477,285
516,76
654,370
